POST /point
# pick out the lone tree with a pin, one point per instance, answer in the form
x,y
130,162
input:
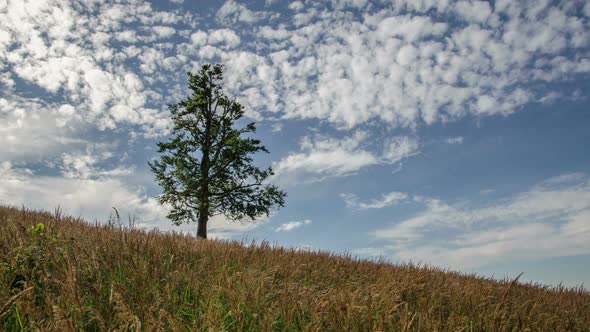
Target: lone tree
x,y
206,166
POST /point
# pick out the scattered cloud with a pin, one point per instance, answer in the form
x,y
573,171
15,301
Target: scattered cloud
x,y
291,225
423,68
325,157
91,198
33,130
80,194
233,12
58,48
551,219
492,60
276,127
223,36
163,32
219,227
85,165
386,200
399,148
454,140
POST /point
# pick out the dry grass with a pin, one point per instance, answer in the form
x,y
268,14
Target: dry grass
x,y
75,276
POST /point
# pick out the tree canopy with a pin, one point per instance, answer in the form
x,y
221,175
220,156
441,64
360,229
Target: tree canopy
x,y
206,166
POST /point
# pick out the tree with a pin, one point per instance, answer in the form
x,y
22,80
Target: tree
x,y
206,166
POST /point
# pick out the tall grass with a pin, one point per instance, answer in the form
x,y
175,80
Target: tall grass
x,y
59,273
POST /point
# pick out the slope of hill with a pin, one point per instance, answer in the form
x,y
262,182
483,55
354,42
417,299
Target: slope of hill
x,y
59,273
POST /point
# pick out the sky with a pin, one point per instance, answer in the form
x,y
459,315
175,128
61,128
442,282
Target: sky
x,y
444,133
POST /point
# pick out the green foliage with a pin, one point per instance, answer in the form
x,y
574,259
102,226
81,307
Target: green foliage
x,y
206,167
28,261
38,230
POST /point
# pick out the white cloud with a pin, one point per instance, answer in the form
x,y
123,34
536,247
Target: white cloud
x,y
233,12
89,198
273,34
399,148
423,69
454,140
129,36
151,60
291,225
86,165
296,5
32,130
313,65
551,219
410,28
386,200
71,55
325,157
224,36
220,227
163,32
93,199
476,11
199,38
357,4
276,127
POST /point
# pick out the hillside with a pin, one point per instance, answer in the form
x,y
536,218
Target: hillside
x,y
69,275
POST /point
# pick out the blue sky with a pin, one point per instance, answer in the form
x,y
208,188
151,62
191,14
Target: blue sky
x,y
447,133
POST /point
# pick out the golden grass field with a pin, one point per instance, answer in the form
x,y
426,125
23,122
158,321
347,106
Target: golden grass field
x,y
67,275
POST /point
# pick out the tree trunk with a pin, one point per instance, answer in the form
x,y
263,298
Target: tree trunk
x,y
204,199
202,226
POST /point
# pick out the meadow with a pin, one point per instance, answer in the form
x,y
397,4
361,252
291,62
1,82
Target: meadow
x,y
61,273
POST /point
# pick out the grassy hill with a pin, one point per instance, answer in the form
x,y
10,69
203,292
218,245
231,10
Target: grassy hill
x,y
59,273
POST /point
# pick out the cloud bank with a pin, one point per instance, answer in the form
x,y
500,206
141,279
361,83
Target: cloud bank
x,y
550,219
